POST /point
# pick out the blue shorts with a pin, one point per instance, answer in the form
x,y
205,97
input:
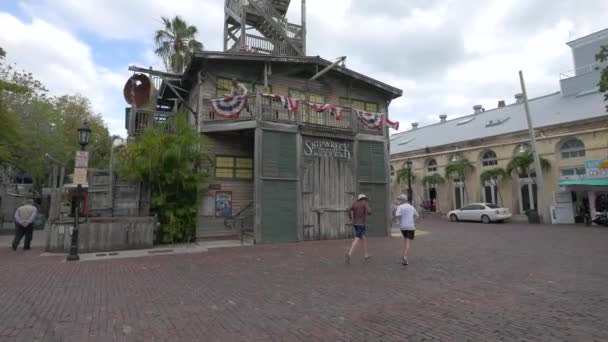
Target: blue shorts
x,y
359,230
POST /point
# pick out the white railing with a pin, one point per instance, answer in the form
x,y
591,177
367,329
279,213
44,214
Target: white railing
x,y
587,69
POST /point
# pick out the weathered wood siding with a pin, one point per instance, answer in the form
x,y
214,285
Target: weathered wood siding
x,y
103,234
328,189
229,145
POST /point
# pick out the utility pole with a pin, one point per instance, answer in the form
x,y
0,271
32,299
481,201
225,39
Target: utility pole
x,y
543,205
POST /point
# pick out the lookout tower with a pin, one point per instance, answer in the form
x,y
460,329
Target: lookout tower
x,y
261,26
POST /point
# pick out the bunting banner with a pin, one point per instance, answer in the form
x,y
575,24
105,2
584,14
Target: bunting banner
x,y
229,107
333,110
370,120
287,102
391,124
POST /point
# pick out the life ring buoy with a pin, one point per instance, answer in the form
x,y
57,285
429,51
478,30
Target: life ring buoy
x,y
138,90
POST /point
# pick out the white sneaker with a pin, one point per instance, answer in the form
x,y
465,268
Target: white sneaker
x,y
405,263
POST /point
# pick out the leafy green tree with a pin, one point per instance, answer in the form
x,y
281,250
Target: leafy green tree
x,y
602,57
34,124
176,43
169,164
522,165
459,169
496,174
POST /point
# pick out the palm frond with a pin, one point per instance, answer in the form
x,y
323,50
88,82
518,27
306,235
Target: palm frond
x,y
433,179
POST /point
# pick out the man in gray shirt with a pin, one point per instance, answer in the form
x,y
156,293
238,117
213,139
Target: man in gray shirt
x,y
24,224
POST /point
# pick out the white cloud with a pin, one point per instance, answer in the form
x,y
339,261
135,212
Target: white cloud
x,y
64,64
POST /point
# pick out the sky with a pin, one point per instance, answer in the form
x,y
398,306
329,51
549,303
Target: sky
x,y
446,55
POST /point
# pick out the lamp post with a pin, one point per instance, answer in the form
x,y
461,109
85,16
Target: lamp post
x,y
409,180
84,133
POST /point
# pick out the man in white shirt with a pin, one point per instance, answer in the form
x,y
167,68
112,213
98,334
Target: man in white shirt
x,y
407,216
238,88
24,224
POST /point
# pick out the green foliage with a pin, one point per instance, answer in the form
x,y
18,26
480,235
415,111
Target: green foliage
x,y
601,57
402,175
522,165
493,174
459,168
176,43
168,164
433,179
34,124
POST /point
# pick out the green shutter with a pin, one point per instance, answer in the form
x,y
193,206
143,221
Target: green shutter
x,y
371,162
279,197
377,223
279,211
279,155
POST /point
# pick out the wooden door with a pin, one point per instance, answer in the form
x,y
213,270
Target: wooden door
x,y
328,189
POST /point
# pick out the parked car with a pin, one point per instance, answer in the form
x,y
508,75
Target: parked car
x,y
482,212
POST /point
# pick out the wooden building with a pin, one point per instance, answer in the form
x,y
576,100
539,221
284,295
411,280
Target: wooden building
x,y
310,136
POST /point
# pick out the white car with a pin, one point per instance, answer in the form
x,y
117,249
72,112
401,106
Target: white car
x,y
483,212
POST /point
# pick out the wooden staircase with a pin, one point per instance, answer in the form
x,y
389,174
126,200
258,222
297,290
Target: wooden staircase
x,y
278,35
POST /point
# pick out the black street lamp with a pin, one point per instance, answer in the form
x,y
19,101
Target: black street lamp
x,y
409,180
84,134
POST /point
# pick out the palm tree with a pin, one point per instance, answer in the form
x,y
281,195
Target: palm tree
x,y
523,165
459,168
176,43
494,174
403,174
433,179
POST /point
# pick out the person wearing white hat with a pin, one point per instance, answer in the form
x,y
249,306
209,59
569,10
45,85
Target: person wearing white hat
x,y
407,216
358,215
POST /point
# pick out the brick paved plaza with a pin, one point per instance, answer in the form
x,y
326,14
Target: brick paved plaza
x,y
466,281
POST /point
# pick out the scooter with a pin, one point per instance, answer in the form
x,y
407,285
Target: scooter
x,y
601,219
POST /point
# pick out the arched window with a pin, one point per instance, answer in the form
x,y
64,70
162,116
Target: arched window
x,y
431,166
489,159
572,148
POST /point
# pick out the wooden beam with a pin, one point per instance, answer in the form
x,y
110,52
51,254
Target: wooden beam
x,y
327,68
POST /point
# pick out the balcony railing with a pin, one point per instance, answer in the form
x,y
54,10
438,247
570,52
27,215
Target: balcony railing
x,y
581,71
145,119
267,109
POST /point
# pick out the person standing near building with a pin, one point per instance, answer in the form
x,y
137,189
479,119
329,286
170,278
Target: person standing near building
x,y
24,224
407,216
358,216
238,88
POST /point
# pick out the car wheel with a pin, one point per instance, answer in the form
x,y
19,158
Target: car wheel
x,y
453,218
485,219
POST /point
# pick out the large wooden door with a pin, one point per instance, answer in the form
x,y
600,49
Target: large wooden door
x,y
328,189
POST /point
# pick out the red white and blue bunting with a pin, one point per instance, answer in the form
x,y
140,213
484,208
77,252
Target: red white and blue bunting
x,y
287,102
370,120
394,125
229,107
333,110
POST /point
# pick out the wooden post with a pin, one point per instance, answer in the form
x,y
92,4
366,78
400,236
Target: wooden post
x,y
300,171
257,186
226,5
303,22
243,25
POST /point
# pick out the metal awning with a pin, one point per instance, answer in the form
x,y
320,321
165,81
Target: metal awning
x,y
585,182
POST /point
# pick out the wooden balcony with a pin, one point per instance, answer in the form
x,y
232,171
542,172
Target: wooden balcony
x,y
146,119
260,108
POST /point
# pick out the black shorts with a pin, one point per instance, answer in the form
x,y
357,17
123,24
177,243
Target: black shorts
x,y
359,230
408,234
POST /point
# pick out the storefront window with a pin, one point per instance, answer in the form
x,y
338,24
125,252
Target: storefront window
x,y
579,171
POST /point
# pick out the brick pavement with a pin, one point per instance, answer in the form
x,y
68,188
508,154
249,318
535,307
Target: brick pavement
x,y
466,281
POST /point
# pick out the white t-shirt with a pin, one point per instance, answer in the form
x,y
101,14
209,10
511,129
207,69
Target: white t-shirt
x,y
407,216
